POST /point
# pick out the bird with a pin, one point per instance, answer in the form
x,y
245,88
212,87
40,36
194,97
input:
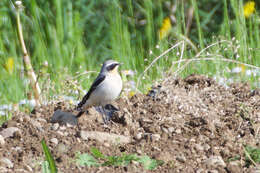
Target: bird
x,y
105,88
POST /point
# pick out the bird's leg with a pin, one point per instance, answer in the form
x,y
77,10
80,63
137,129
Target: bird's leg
x,y
103,113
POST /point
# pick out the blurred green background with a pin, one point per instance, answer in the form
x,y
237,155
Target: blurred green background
x,y
67,38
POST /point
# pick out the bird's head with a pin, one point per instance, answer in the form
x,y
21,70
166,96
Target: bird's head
x,y
110,66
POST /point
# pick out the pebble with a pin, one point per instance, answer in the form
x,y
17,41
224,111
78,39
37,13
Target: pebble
x,y
55,141
28,168
178,131
7,162
103,136
138,136
26,118
181,158
165,130
62,148
2,140
156,137
199,147
55,126
9,132
171,129
41,120
215,161
234,167
106,144
63,127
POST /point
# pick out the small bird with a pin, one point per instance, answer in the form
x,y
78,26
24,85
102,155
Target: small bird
x,y
106,88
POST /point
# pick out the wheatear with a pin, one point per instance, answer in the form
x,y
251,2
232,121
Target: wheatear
x,y
104,89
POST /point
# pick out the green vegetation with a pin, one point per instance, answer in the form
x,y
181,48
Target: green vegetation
x,y
49,164
67,38
98,159
252,155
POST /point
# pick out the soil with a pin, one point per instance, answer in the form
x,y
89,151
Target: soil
x,y
192,124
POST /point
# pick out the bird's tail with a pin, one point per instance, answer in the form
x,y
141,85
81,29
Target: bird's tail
x,y
79,114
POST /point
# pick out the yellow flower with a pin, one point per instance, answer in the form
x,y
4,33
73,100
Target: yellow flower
x,y
9,65
249,8
165,29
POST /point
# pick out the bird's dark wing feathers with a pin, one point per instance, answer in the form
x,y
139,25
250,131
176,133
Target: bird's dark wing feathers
x,y
98,80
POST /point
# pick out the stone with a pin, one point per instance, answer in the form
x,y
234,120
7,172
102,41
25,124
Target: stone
x,y
138,136
54,141
156,137
181,158
2,140
55,126
215,161
171,129
234,167
103,136
7,162
9,132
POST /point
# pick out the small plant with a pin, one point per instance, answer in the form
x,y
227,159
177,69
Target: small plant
x,y
49,164
96,156
252,155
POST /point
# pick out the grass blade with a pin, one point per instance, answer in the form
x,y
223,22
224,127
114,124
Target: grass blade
x,y
48,156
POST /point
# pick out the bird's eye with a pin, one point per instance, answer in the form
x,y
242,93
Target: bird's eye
x,y
112,66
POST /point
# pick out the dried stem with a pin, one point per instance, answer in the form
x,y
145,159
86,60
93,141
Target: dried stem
x,y
27,62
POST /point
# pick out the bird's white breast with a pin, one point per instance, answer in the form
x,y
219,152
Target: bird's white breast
x,y
107,91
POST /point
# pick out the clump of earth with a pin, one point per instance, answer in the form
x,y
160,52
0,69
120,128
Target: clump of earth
x,y
192,125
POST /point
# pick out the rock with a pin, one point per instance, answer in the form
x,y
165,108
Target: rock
x,y
9,132
199,147
106,144
215,161
156,137
62,148
181,158
7,162
41,120
64,117
138,136
234,167
178,131
63,127
36,124
55,126
103,136
171,129
3,169
55,141
28,168
2,140
165,130
213,171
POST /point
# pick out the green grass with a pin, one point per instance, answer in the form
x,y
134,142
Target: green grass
x,y
75,36
96,158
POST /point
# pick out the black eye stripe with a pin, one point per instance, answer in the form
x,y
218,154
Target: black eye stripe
x,y
112,66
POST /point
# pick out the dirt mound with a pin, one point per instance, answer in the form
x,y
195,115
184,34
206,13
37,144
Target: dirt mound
x,y
192,124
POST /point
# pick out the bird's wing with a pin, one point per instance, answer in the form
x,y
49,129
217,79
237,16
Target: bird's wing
x,y
95,84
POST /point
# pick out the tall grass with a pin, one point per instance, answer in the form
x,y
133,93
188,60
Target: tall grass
x,y
75,36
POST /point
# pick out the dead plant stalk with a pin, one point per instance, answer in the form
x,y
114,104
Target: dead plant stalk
x,y
27,62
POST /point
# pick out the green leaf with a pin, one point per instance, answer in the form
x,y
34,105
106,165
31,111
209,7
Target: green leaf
x,y
148,163
86,160
253,153
45,167
49,158
96,153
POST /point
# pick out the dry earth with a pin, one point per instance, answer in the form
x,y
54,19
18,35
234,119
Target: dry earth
x,y
192,124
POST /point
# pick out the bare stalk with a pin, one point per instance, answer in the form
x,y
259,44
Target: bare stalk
x,y
27,62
